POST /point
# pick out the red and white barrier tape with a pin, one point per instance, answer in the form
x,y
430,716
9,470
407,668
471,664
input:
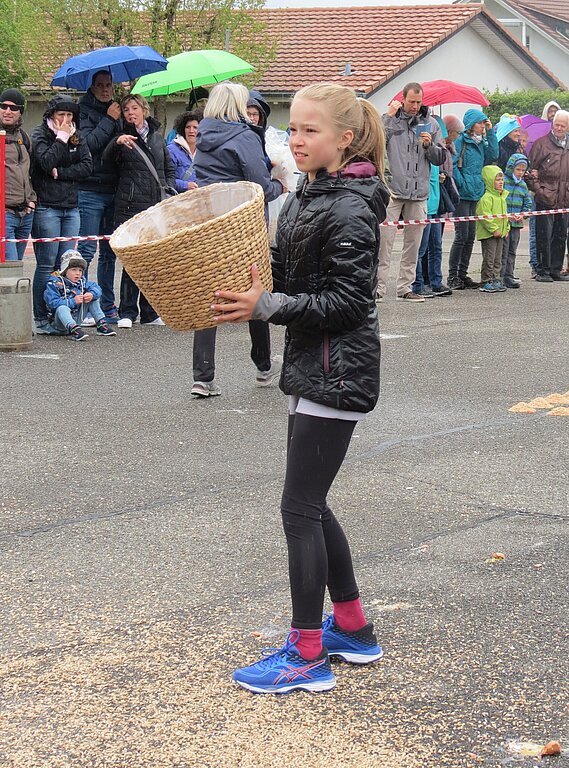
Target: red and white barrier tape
x,y
402,223
452,219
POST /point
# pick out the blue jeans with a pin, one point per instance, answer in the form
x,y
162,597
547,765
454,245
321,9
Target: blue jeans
x,y
50,222
431,242
532,241
97,211
17,227
66,318
464,236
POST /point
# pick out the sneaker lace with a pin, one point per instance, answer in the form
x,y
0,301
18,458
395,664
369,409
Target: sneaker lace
x,y
271,654
328,621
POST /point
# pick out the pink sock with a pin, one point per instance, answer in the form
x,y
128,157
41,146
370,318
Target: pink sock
x,y
349,615
309,644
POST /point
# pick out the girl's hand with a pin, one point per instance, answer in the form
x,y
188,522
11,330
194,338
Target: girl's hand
x,y
240,306
87,297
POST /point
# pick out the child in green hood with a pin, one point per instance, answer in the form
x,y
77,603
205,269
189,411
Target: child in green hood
x,y
491,232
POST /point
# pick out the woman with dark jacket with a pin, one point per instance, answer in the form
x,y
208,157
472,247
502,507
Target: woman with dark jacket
x,y
137,189
230,148
60,158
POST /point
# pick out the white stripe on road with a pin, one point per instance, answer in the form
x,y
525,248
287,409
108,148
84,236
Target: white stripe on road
x,y
42,357
393,336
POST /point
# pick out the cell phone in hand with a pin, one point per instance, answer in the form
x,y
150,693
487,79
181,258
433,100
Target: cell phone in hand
x,y
421,128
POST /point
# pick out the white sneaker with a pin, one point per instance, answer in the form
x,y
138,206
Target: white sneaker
x,y
88,322
124,322
268,378
158,321
205,389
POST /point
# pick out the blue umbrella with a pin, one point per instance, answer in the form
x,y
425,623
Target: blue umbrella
x,y
124,62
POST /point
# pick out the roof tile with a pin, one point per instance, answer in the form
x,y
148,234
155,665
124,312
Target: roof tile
x,y
378,42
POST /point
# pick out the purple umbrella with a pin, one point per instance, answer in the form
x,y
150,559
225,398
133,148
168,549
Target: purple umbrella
x,y
535,128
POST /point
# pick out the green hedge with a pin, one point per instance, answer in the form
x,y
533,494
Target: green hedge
x,y
530,102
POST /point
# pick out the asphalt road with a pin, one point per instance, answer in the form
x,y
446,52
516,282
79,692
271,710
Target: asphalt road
x,y
143,558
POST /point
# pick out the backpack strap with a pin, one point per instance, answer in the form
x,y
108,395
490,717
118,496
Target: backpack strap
x,y
26,141
460,159
23,139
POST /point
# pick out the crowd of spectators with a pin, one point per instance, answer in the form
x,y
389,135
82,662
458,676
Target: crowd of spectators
x,y
424,184
90,166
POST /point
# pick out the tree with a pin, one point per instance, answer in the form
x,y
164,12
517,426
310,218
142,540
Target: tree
x,y
178,25
169,26
528,102
12,69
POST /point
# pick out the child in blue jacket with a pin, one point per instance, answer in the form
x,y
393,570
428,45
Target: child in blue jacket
x,y
518,202
70,297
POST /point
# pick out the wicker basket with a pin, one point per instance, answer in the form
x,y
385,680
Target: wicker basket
x,y
182,250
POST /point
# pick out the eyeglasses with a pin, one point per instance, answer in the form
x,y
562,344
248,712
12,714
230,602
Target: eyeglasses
x,y
11,107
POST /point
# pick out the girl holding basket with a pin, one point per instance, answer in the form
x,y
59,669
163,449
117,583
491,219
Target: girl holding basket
x,y
324,269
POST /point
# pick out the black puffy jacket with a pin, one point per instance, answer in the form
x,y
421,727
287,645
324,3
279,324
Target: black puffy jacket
x,y
98,129
137,189
325,261
72,161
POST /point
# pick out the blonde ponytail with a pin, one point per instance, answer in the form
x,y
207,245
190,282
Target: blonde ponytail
x,y
348,112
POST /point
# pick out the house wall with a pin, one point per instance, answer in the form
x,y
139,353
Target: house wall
x,y
465,58
555,58
482,67
552,56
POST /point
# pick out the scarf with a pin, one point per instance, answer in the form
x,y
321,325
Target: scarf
x,y
477,139
184,144
53,127
560,142
144,131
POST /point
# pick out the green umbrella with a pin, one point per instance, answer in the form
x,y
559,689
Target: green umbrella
x,y
190,69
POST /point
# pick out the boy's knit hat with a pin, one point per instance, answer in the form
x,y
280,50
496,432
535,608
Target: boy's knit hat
x,y
472,116
72,258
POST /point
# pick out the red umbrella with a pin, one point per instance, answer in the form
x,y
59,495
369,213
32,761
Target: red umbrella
x,y
447,92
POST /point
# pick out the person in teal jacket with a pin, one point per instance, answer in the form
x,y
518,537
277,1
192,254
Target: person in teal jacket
x,y
519,203
476,147
491,232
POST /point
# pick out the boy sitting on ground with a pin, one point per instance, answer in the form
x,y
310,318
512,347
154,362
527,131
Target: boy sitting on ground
x,y
70,297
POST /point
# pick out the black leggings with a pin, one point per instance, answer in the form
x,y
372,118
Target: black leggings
x,y
318,551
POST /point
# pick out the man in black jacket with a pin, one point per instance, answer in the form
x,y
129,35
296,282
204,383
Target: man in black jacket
x,y
99,121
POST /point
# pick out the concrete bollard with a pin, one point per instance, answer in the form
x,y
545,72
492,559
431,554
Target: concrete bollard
x,y
15,308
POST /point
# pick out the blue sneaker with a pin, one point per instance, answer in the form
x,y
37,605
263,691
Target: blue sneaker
x,y
360,647
46,329
112,316
488,287
282,670
499,286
